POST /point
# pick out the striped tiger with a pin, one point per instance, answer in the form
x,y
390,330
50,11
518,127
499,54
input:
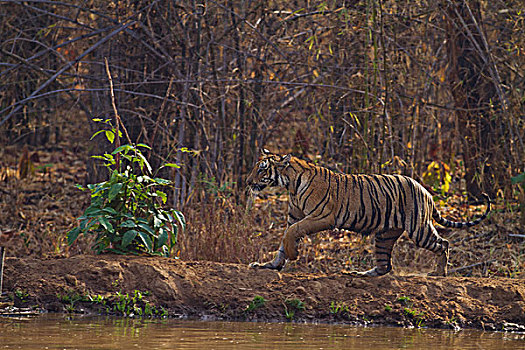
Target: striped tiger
x,y
382,205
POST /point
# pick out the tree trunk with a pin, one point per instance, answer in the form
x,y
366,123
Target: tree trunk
x,y
473,91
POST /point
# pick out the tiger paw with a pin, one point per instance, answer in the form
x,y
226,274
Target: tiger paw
x,y
352,273
256,265
268,265
370,273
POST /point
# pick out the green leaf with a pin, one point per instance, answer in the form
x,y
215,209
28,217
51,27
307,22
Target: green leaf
x,y
157,221
180,218
163,237
92,211
106,224
172,165
95,134
116,251
99,157
122,148
129,236
162,195
174,233
128,223
143,145
73,235
80,187
162,181
146,240
144,161
165,251
115,190
97,188
518,179
110,135
129,158
83,221
110,210
147,228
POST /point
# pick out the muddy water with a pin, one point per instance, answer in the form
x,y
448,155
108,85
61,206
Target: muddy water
x,y
59,332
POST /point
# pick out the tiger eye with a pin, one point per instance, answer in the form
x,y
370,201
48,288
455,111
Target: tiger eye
x,y
263,164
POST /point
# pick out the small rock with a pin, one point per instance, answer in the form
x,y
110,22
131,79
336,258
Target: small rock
x,y
71,280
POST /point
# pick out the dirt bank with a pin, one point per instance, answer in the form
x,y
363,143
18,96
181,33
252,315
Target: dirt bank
x,y
233,292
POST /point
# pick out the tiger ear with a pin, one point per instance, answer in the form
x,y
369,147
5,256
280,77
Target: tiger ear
x,y
265,152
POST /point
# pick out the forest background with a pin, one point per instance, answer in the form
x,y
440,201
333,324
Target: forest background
x,y
429,89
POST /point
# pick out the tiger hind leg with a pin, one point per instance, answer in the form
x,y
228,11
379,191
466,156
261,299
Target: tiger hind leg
x,y
427,237
384,243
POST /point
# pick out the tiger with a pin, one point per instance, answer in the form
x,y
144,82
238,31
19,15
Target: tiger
x,y
384,206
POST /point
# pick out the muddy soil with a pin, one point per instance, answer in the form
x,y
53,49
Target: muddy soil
x,y
233,292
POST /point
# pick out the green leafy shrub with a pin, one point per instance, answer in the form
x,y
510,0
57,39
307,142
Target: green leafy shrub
x,y
338,307
126,213
257,302
291,306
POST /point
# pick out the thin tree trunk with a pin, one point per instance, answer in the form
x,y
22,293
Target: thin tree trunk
x,y
241,101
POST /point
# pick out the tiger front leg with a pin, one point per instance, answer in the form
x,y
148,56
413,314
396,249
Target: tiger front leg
x,y
288,247
287,250
280,258
289,243
283,253
306,226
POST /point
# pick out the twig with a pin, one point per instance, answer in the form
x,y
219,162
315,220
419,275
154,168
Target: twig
x,y
161,112
471,266
292,17
118,121
2,256
117,117
516,235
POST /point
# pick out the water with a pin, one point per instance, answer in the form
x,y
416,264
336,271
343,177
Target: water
x,y
77,332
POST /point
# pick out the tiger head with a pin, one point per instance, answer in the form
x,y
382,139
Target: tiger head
x,y
268,172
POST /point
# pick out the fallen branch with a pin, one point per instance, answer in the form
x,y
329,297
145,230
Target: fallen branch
x,y
471,266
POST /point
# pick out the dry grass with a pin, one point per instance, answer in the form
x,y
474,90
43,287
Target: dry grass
x,y
227,233
43,206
